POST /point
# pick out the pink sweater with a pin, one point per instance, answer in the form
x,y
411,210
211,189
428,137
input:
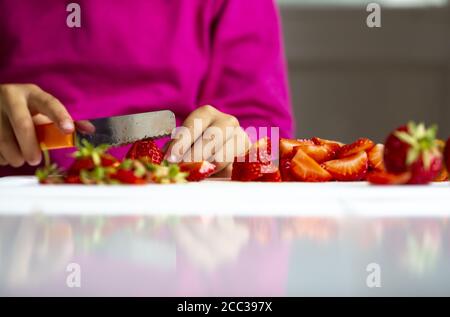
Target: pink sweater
x,y
144,55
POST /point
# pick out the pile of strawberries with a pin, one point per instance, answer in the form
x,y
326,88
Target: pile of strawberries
x,y
311,160
410,155
143,165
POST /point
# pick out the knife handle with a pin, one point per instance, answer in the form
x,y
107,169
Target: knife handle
x,y
50,137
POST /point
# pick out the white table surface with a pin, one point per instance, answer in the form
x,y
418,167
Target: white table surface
x,y
22,195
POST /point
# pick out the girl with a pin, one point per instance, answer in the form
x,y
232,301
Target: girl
x,y
137,56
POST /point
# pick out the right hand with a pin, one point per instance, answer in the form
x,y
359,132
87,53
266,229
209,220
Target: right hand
x,y
21,107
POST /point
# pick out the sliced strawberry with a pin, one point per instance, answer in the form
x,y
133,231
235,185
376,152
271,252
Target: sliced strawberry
x,y
146,149
72,179
274,177
305,169
362,144
254,163
198,171
285,169
87,163
319,141
376,161
320,153
246,171
287,146
351,168
128,177
385,178
260,151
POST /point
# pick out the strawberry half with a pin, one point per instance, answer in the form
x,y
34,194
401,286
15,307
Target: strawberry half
x,y
73,179
273,177
146,149
413,148
319,153
246,171
254,163
362,144
319,141
375,155
198,171
385,178
131,172
351,168
285,169
305,169
287,146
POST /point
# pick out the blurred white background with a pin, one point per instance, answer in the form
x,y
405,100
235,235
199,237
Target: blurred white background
x,y
348,80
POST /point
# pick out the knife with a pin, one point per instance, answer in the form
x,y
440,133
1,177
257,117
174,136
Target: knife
x,y
113,131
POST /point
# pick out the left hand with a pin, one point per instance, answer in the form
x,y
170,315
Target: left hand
x,y
208,134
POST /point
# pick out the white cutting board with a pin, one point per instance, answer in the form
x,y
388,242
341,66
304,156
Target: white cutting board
x,y
23,195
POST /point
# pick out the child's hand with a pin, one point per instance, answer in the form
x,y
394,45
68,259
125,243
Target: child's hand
x,y
21,106
209,134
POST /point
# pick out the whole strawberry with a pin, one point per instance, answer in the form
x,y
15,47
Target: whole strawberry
x,y
413,148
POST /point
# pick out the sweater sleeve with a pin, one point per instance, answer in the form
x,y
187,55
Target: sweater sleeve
x,y
247,75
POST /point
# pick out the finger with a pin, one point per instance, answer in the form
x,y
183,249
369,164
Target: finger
x,y
40,119
22,124
9,148
235,146
85,127
194,125
42,102
213,138
2,161
224,172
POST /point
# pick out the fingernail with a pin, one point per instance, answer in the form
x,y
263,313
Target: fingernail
x,y
172,159
67,125
34,162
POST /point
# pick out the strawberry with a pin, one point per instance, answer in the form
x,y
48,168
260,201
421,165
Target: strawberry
x,y
413,148
146,149
198,171
319,141
422,174
351,168
164,173
73,179
320,153
376,158
442,176
246,171
285,169
273,177
131,172
87,157
385,178
362,144
260,151
50,173
287,146
447,154
254,163
305,169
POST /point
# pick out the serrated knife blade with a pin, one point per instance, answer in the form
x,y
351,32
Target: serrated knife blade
x,y
114,131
